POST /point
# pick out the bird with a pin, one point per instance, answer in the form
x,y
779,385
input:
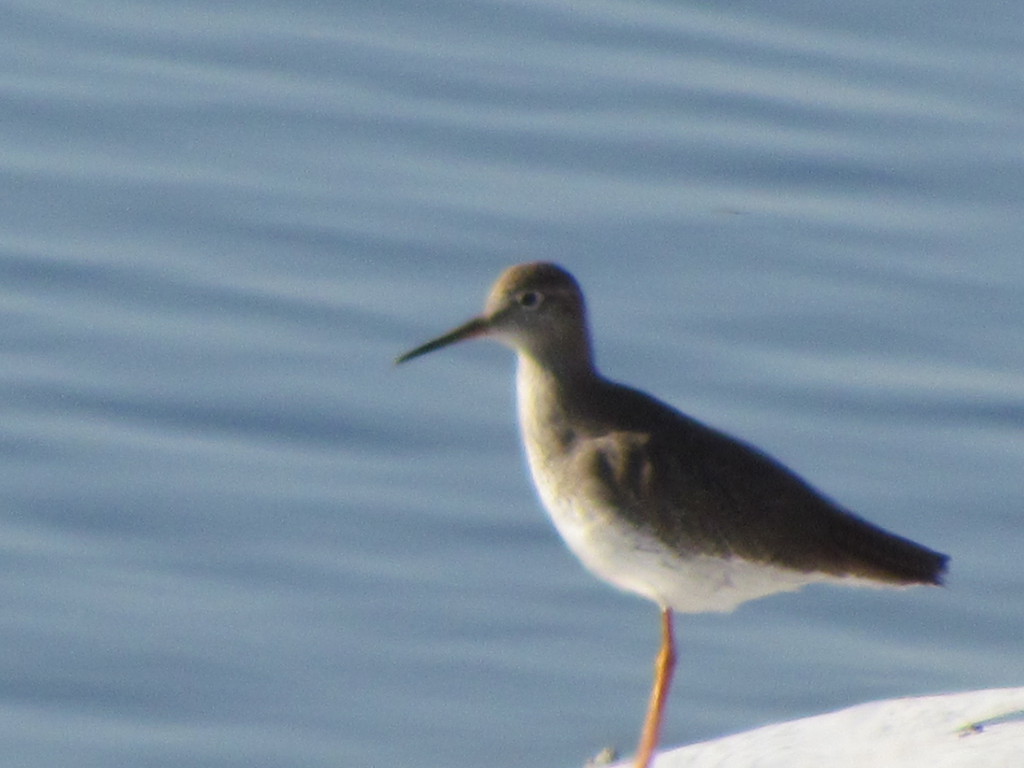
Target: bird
x,y
656,502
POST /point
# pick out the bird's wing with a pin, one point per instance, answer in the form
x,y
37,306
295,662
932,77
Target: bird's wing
x,y
701,491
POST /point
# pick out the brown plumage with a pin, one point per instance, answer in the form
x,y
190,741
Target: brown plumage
x,y
652,500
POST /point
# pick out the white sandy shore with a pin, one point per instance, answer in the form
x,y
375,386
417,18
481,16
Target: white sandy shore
x,y
977,729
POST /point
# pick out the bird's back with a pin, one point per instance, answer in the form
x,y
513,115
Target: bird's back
x,y
701,492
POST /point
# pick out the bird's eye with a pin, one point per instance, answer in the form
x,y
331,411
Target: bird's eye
x,y
530,299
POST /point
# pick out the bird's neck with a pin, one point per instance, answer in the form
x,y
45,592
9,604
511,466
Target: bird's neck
x,y
548,393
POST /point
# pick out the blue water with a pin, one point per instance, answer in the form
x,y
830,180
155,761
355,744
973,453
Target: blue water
x,y
234,535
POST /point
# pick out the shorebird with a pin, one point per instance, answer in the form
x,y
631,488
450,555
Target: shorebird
x,y
655,502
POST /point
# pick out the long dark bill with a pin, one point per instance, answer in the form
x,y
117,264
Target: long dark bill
x,y
473,328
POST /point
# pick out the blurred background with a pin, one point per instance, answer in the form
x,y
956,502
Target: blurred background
x,y
234,535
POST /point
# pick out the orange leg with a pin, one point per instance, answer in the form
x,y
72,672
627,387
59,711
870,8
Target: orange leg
x,y
663,669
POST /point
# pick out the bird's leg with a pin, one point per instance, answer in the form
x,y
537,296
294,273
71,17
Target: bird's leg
x,y
663,669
